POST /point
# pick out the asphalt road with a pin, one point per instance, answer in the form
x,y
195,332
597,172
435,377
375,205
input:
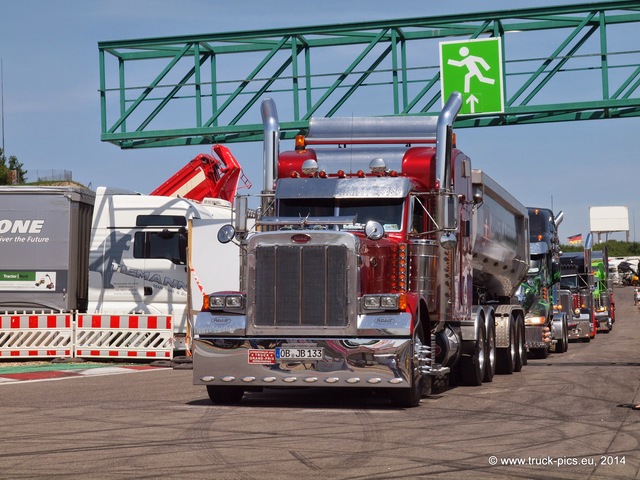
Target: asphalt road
x,y
565,417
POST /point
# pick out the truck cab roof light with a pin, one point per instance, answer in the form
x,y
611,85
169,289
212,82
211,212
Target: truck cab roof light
x,y
300,142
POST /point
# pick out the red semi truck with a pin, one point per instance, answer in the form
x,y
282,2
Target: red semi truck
x,y
380,259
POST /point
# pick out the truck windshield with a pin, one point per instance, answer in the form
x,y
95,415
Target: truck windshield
x,y
384,210
534,265
540,223
579,281
569,282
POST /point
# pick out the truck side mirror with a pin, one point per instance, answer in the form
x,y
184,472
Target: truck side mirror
x,y
451,212
241,211
374,230
226,233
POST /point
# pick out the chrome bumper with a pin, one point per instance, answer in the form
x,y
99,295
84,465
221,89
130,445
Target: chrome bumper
x,y
581,330
533,336
603,322
346,362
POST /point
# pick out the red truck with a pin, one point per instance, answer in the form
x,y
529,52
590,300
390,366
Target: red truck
x,y
379,259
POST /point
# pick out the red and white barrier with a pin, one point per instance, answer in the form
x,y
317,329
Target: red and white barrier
x,y
36,336
123,336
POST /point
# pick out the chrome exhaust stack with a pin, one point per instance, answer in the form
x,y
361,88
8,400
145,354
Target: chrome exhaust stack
x,y
271,150
444,132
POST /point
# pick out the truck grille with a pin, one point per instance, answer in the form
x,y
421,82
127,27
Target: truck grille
x,y
301,285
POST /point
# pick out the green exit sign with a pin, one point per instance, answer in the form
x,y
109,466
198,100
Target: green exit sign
x,y
473,68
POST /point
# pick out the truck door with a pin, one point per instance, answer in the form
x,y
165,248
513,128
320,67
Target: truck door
x,y
214,266
164,252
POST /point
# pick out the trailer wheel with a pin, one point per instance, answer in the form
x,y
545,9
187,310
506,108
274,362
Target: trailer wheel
x,y
490,354
506,357
225,395
472,366
521,352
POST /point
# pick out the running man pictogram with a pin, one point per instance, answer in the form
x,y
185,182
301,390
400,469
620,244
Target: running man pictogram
x,y
473,68
473,64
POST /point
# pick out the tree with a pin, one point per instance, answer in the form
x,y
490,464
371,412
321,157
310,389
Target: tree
x,y
5,170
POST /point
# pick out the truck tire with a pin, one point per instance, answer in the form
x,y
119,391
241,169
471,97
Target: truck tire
x,y
506,357
420,384
521,351
490,353
225,395
472,366
562,344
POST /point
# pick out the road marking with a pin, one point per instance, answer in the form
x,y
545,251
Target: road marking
x,y
46,375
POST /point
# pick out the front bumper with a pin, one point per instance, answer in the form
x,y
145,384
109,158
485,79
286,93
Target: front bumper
x,y
581,330
603,321
363,362
534,336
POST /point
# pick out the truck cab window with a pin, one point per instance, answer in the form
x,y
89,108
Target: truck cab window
x,y
316,207
165,244
417,216
161,221
384,210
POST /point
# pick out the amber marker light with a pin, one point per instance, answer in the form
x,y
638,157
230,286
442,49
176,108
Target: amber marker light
x,y
300,145
402,302
205,302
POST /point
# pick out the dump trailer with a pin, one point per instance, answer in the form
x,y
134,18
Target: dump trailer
x,y
545,331
389,264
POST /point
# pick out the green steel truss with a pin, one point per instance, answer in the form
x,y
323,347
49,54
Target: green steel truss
x,y
564,63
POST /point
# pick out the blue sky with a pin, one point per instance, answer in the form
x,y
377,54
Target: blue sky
x,y
49,51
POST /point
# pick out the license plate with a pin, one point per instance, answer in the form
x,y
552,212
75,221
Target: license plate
x,y
308,353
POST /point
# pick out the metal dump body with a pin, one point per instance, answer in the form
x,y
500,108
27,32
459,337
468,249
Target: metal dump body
x,y
44,247
501,243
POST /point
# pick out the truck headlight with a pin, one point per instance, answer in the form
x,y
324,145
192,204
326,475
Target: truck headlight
x,y
371,301
389,301
222,302
535,320
381,302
